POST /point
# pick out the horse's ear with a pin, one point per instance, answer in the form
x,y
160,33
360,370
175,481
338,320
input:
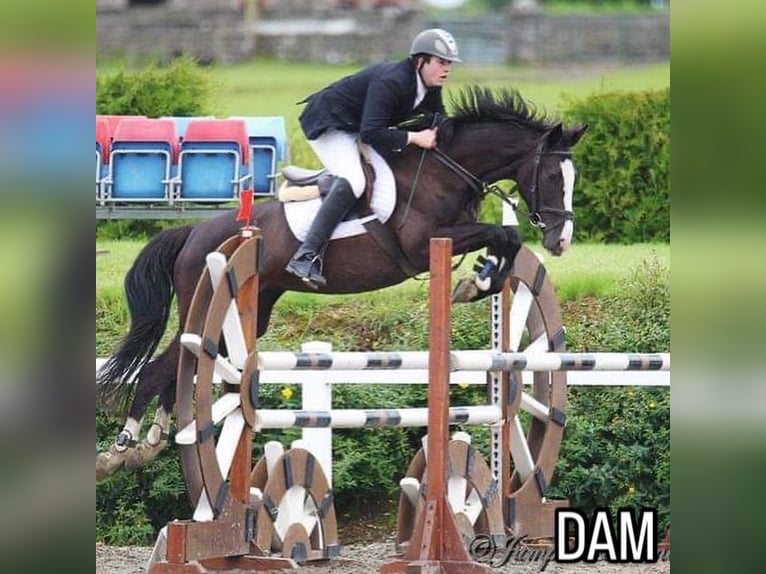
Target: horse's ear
x,y
575,134
553,135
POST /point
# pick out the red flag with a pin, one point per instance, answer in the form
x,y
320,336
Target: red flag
x,y
245,205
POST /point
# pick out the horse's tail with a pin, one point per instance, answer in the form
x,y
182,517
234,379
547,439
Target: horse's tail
x,y
149,289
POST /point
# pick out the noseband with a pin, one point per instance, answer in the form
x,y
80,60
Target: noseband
x,y
483,188
535,220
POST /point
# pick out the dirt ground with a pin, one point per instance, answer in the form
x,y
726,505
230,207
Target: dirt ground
x,y
368,558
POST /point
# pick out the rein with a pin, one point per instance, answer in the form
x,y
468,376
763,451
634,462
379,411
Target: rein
x,y
483,188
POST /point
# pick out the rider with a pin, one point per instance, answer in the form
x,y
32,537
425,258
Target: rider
x,y
366,105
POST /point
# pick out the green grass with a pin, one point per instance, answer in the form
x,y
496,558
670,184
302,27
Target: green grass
x,y
586,7
113,262
271,87
596,269
396,317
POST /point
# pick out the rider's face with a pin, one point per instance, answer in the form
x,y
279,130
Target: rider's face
x,y
435,71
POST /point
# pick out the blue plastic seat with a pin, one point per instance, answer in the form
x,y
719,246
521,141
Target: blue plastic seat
x,y
213,164
142,156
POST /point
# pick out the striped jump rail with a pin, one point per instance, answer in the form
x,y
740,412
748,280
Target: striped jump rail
x,y
371,418
466,361
347,418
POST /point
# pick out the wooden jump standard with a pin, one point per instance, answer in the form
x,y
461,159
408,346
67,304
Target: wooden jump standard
x,y
436,544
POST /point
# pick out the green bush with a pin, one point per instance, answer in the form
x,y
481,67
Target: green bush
x,y
182,88
623,163
616,447
616,450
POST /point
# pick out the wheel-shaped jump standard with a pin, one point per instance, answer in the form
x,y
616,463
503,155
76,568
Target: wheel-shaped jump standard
x,y
296,513
523,451
215,421
472,493
528,321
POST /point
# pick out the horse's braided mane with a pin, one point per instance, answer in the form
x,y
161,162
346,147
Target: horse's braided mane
x,y
477,104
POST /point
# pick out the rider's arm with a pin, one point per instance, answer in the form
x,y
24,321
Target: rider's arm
x,y
424,138
382,105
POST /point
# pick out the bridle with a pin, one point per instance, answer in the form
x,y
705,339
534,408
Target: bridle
x,y
483,188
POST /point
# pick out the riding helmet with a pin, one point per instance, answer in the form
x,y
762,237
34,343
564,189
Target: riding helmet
x,y
435,42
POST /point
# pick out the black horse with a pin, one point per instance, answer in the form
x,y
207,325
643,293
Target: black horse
x,y
489,137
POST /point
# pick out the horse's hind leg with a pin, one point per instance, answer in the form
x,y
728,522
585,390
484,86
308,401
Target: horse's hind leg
x,y
161,382
155,378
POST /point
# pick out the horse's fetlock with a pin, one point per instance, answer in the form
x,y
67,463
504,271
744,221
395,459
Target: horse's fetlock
x,y
124,441
156,435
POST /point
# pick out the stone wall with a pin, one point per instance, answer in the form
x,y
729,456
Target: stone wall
x,y
210,31
546,39
362,36
300,30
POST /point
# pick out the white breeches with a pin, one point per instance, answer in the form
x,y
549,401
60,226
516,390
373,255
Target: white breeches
x,y
339,153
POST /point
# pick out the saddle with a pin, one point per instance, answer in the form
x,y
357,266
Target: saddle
x,y
301,184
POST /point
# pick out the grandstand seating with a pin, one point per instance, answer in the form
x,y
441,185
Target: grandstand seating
x,y
213,164
143,153
172,165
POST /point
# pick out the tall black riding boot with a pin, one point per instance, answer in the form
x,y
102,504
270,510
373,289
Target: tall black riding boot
x,y
307,263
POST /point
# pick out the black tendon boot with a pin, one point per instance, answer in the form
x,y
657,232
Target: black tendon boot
x,y
307,263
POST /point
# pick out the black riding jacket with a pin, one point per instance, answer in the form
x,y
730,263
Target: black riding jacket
x,y
369,103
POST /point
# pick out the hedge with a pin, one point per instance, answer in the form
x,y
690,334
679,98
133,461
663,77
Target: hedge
x,y
623,164
183,88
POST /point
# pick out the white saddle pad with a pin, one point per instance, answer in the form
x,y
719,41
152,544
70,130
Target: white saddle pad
x,y
300,214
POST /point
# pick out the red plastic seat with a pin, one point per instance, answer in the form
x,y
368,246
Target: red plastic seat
x,y
220,131
148,130
114,120
103,138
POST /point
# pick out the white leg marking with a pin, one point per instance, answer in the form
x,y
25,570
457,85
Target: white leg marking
x,y
161,424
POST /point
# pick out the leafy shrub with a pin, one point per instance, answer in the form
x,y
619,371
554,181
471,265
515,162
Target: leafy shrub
x,y
638,319
183,88
616,447
623,162
616,450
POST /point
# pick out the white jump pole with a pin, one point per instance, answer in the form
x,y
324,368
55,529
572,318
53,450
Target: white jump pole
x,y
317,396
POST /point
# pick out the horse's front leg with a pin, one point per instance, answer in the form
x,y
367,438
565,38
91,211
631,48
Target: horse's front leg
x,y
502,244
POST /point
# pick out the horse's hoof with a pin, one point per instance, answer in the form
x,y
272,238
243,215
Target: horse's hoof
x,y
465,291
107,463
